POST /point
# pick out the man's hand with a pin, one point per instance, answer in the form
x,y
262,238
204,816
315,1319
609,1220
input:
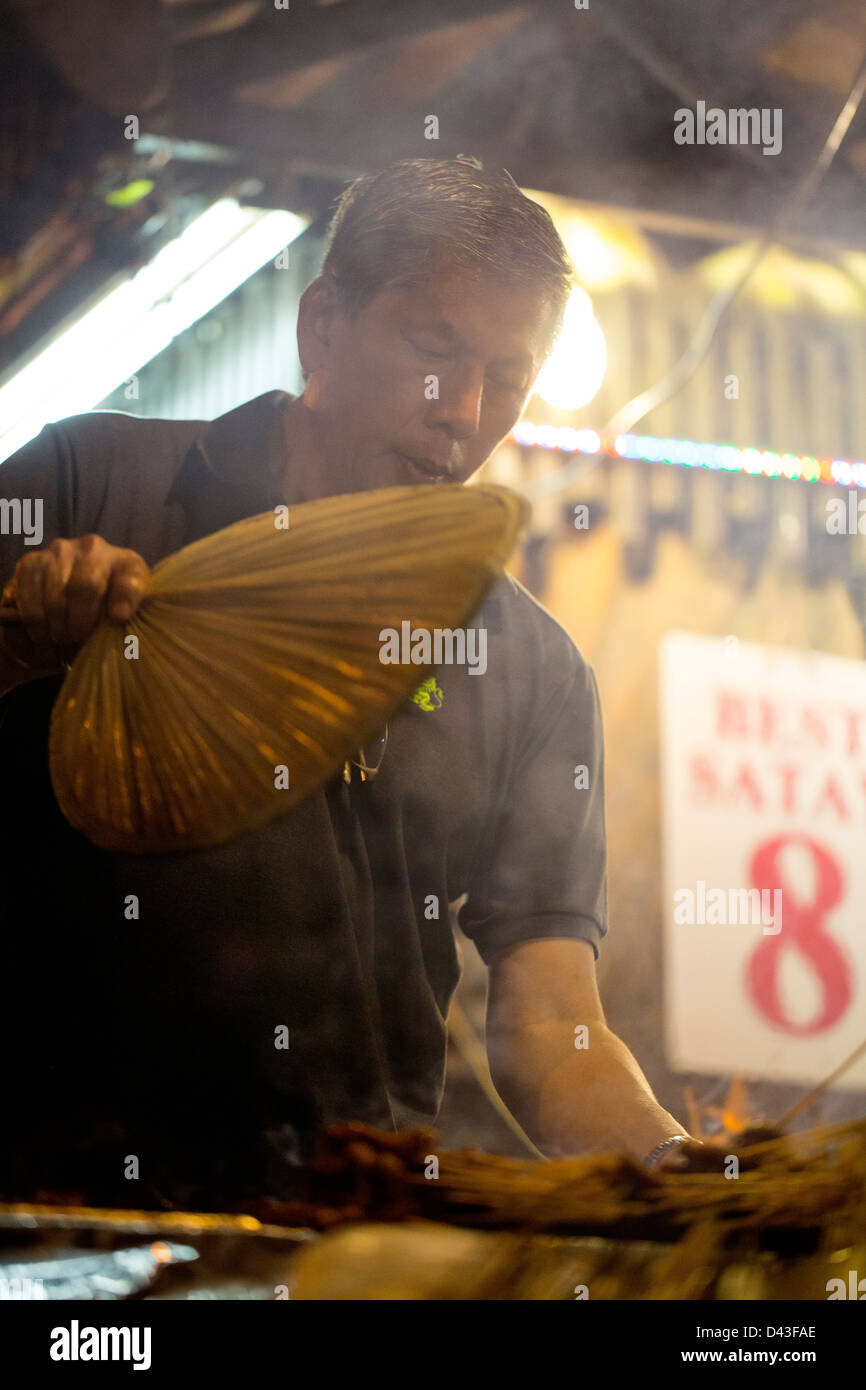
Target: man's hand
x,y
693,1156
713,1155
64,591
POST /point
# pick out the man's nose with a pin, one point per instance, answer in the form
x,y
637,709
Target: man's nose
x,y
458,406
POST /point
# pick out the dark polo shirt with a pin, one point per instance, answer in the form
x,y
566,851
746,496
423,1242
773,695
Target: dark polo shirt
x,y
155,1036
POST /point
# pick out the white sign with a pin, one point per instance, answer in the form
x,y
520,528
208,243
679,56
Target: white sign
x,y
764,789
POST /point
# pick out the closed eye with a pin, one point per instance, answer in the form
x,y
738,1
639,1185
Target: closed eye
x,y
425,351
518,388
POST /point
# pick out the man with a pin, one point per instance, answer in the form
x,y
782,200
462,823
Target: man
x,y
140,1043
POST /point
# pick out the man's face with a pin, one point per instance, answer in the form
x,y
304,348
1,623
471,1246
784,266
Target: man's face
x,y
423,383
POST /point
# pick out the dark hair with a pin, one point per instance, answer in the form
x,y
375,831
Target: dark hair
x,y
395,228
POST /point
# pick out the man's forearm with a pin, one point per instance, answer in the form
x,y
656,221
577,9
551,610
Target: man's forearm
x,y
577,1100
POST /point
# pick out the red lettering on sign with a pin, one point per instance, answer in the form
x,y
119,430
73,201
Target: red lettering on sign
x,y
852,719
789,777
731,711
832,796
746,783
803,930
705,780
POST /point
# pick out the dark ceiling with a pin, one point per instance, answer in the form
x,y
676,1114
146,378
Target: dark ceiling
x,y
286,103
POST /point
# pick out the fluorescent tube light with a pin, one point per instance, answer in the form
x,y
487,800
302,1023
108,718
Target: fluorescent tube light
x,y
138,318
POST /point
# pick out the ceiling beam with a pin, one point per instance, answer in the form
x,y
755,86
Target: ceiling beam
x,y
281,41
312,142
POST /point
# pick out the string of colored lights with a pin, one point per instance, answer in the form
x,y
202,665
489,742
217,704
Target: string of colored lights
x,y
688,454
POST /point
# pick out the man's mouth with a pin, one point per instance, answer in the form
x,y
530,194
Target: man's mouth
x,y
424,470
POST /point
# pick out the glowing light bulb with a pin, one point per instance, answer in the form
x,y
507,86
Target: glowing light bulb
x,y
575,370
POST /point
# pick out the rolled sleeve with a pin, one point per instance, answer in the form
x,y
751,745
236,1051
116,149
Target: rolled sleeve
x,y
41,472
546,874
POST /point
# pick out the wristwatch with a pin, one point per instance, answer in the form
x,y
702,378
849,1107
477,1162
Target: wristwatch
x,y
654,1157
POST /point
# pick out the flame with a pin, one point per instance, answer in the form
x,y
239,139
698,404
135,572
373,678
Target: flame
x,y
733,1114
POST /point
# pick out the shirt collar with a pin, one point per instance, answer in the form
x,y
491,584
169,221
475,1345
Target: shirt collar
x,y
243,449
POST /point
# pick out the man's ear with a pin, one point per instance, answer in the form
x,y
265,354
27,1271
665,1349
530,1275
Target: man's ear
x,y
317,312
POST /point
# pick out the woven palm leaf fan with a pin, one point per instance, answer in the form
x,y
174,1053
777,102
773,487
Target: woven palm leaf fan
x,y
256,672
